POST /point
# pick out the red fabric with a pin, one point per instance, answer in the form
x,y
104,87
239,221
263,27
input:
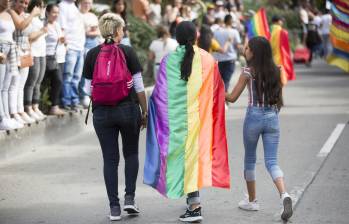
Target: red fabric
x,y
342,3
220,163
286,55
265,23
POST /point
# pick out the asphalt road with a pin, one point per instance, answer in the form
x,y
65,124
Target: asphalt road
x,y
63,183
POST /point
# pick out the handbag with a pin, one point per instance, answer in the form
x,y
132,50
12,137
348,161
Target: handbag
x,y
26,61
51,62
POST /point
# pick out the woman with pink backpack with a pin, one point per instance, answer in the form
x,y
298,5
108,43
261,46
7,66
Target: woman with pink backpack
x,y
119,106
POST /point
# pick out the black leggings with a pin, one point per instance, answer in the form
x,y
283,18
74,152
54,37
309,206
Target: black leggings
x,y
55,77
108,123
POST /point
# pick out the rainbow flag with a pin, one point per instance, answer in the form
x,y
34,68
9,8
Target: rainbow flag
x,y
340,35
186,137
258,25
282,52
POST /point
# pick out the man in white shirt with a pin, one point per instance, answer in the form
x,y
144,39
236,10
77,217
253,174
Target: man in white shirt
x,y
72,23
226,61
326,21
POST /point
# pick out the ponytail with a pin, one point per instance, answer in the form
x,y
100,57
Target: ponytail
x,y
187,62
186,36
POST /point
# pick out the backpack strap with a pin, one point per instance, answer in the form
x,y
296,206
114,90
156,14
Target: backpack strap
x,y
88,110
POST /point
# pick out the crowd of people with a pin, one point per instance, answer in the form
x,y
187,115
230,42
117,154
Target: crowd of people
x,y
41,42
73,49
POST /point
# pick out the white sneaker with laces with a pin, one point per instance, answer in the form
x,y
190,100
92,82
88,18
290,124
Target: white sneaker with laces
x,y
287,210
41,115
19,119
27,119
34,115
249,205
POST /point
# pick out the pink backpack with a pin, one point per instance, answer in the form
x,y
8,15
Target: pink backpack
x,y
112,81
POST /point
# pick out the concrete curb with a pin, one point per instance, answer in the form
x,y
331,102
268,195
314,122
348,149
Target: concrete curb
x,y
49,131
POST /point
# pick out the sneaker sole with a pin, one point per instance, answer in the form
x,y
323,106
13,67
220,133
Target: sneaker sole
x,y
191,219
287,213
115,218
131,210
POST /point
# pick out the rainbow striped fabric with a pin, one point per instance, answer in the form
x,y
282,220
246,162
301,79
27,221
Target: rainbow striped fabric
x,y
186,136
258,25
340,34
281,51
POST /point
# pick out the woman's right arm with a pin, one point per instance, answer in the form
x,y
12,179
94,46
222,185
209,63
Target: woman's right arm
x,y
239,87
35,35
21,23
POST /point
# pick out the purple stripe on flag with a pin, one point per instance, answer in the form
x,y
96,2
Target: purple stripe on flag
x,y
162,124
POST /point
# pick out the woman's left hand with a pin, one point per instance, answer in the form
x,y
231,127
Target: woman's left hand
x,y
2,58
144,121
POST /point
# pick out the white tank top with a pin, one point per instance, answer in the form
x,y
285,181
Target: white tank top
x,y
7,27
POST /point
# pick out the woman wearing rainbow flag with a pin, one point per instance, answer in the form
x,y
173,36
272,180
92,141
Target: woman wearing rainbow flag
x,y
186,135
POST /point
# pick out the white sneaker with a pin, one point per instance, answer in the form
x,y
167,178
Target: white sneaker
x,y
19,119
287,210
41,115
34,115
6,124
249,206
16,124
27,119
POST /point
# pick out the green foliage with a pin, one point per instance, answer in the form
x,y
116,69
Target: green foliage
x,y
141,35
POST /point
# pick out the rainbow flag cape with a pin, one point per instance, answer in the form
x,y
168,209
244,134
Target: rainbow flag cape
x,y
340,35
281,51
186,136
258,25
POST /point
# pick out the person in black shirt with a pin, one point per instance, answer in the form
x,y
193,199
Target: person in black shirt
x,y
125,118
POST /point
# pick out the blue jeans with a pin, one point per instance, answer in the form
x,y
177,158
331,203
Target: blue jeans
x,y
71,77
226,69
261,121
85,85
109,122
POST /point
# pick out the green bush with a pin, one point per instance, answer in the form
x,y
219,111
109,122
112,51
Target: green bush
x,y
141,35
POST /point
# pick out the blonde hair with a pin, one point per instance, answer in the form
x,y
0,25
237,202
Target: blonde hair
x,y
109,23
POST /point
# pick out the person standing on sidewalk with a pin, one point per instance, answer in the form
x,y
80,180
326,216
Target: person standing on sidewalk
x,y
93,38
55,50
72,24
262,78
8,67
117,116
23,24
32,94
226,61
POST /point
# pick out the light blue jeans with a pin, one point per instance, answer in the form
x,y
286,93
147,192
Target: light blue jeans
x,y
74,61
85,84
264,122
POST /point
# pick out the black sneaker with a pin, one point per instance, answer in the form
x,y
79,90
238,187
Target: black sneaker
x,y
76,108
130,205
115,213
192,216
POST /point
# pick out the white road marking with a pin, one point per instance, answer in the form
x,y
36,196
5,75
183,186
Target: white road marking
x,y
298,191
331,141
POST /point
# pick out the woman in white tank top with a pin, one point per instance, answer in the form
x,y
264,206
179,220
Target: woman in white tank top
x,y
8,66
